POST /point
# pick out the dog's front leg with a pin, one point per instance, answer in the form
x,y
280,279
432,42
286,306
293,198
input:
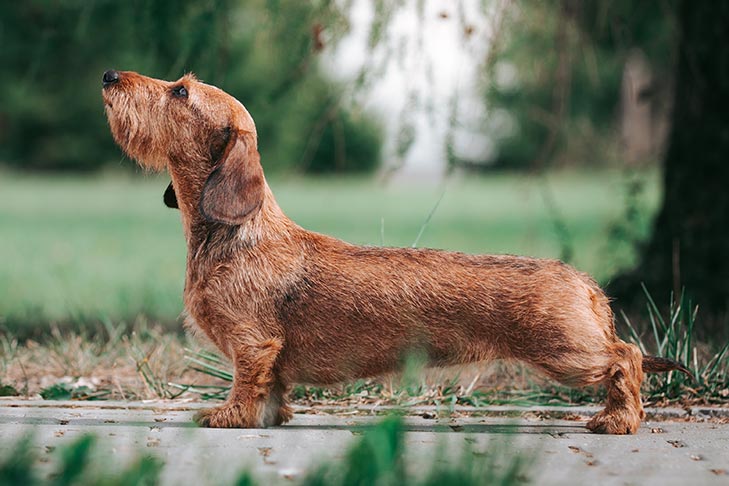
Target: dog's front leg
x,y
252,382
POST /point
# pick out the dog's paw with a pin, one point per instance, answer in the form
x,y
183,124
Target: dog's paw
x,y
227,416
277,414
284,414
616,422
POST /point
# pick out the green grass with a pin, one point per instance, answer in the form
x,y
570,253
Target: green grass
x,y
78,248
72,463
673,336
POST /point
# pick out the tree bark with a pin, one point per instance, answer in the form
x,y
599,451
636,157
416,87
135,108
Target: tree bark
x,y
689,246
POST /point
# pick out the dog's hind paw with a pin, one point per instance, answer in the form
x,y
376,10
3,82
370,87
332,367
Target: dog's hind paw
x,y
616,422
227,416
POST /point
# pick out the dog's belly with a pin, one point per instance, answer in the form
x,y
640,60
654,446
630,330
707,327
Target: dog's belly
x,y
351,346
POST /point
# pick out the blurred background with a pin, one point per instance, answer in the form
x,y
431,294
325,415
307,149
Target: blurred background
x,y
593,132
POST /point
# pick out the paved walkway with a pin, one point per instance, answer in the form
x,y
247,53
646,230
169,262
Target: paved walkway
x,y
685,449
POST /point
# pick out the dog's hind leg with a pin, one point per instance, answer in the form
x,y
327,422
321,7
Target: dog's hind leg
x,y
623,410
252,385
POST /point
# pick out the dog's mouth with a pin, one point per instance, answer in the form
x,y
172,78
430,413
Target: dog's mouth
x,y
114,97
106,96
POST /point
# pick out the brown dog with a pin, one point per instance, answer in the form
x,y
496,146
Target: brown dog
x,y
287,305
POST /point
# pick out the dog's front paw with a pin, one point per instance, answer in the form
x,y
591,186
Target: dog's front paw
x,y
284,414
227,416
618,422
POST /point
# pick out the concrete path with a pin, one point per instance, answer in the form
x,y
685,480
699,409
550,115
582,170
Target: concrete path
x,y
689,448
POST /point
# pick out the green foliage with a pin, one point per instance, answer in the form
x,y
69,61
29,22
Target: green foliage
x,y
554,79
349,143
264,53
379,458
630,228
73,460
17,468
673,336
8,391
66,391
620,25
75,465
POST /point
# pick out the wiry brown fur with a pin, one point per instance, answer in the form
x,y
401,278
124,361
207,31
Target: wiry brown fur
x,y
287,305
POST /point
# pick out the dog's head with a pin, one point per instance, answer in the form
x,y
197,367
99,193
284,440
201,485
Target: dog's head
x,y
202,135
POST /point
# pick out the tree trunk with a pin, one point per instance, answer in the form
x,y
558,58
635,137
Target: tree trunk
x,y
689,246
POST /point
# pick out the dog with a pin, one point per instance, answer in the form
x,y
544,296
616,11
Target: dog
x,y
287,305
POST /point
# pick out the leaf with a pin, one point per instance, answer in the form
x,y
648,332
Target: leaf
x,y
8,391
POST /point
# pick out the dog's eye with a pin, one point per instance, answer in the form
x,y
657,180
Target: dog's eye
x,y
179,92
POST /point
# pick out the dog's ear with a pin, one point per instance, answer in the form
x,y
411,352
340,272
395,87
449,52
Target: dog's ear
x,y
170,198
234,190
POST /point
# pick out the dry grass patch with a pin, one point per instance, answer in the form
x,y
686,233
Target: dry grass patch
x,y
116,365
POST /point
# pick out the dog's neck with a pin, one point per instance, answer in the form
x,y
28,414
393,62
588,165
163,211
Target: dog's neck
x,y
268,223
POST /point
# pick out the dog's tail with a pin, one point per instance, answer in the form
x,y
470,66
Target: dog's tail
x,y
655,364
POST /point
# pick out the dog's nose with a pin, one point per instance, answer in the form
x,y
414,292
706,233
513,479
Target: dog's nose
x,y
110,77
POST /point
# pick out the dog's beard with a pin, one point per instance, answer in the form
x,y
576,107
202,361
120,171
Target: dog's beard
x,y
127,127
